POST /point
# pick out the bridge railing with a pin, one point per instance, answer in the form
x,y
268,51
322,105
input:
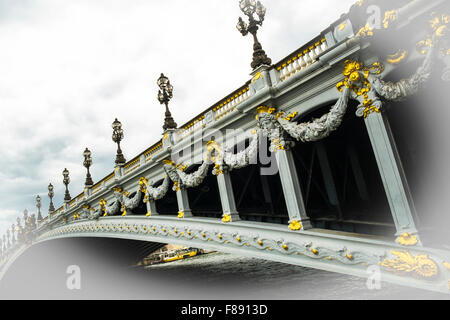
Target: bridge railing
x,y
302,58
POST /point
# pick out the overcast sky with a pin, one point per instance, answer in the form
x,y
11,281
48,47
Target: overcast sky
x,y
68,68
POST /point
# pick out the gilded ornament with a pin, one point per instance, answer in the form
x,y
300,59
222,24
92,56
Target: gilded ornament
x,y
446,265
180,214
295,225
102,205
288,117
257,76
365,31
226,218
357,79
439,24
389,16
143,183
397,57
264,109
405,263
181,167
407,239
169,162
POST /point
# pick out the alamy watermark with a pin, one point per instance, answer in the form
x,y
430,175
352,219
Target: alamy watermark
x,y
73,281
373,281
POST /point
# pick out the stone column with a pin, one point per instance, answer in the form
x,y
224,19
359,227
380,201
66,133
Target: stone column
x,y
392,174
291,188
227,196
183,203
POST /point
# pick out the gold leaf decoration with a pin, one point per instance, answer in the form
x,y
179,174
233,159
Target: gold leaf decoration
x,y
264,109
405,263
397,57
389,16
295,225
407,239
356,78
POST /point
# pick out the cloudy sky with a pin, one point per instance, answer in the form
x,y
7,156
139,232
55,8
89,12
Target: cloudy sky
x,y
68,68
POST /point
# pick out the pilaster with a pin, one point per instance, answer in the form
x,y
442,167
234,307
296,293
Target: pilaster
x,y
184,211
291,188
227,196
392,173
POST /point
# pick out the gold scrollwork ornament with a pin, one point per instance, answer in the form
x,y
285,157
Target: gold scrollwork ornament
x,y
405,263
407,239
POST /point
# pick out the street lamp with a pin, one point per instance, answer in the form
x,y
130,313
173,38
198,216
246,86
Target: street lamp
x,y
13,229
164,95
66,181
38,206
25,216
87,163
117,136
51,193
19,230
249,8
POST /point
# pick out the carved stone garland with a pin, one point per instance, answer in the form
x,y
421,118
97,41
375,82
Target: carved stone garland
x,y
154,193
316,129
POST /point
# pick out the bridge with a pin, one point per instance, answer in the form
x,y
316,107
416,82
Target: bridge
x,y
302,164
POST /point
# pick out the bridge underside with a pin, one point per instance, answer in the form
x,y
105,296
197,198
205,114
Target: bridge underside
x,y
334,251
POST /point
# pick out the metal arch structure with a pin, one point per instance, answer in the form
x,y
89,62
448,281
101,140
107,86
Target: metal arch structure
x,y
338,66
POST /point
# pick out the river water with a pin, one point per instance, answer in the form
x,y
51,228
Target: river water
x,y
228,276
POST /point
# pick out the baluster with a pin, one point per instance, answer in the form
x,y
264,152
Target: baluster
x,y
314,53
302,61
282,75
291,68
319,47
297,65
308,58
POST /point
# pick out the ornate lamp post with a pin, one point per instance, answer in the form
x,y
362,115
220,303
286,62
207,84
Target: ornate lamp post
x,y
8,238
38,206
66,181
117,136
25,216
51,193
249,8
164,95
87,163
19,230
13,238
